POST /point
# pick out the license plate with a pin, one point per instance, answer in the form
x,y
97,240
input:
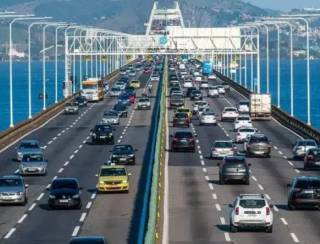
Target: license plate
x,y
103,137
32,170
123,159
308,191
64,200
317,163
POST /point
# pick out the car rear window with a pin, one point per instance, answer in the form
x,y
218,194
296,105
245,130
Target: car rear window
x,y
254,139
32,158
230,110
183,134
113,172
60,184
10,182
246,130
252,203
308,184
223,144
29,145
235,160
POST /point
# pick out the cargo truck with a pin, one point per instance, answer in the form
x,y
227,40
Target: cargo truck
x,y
207,68
260,106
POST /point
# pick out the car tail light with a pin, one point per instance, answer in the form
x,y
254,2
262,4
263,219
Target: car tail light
x,y
310,157
237,211
267,211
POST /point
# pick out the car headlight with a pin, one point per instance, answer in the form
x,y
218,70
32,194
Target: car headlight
x,y
52,196
101,182
131,155
76,196
124,182
19,193
110,134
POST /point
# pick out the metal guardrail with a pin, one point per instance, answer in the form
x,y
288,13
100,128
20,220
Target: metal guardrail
x,y
284,118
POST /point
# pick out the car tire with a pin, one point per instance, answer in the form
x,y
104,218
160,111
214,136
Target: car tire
x,y
221,181
112,142
291,207
247,181
233,228
305,167
269,229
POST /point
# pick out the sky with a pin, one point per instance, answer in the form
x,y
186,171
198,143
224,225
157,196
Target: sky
x,y
285,4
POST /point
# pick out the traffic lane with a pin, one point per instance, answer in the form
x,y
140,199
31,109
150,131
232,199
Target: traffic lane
x,y
58,155
225,194
273,174
191,213
113,215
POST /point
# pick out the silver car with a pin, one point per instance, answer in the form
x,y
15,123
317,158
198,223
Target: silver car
x,y
71,108
111,118
222,148
33,164
13,190
144,103
115,92
28,147
302,146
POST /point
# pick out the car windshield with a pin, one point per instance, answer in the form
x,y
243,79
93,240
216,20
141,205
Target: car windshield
x,y
143,100
230,110
122,149
182,134
29,145
110,114
308,184
115,89
307,143
244,103
10,182
177,97
119,107
260,139
135,82
102,128
208,113
113,172
32,158
247,130
252,203
223,144
181,115
61,184
183,110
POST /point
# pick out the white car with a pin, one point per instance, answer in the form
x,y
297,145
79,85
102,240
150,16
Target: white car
x,y
243,134
212,77
155,78
221,90
251,210
204,84
242,121
213,91
115,92
243,107
196,73
223,148
229,114
198,78
201,110
187,84
208,118
198,104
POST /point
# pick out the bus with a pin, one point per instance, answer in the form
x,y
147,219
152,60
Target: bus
x,y
93,89
207,68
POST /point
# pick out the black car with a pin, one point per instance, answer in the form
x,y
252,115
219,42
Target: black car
x,y
184,141
304,192
234,168
64,193
123,154
121,109
196,95
190,90
102,133
81,100
312,159
88,240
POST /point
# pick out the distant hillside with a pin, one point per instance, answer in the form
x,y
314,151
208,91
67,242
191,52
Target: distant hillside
x,y
130,15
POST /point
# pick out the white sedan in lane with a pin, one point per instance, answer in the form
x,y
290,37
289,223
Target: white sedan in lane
x,y
208,118
213,91
187,83
229,114
243,134
243,107
242,121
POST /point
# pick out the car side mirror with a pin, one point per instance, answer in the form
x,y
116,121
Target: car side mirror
x,y
249,164
26,185
230,205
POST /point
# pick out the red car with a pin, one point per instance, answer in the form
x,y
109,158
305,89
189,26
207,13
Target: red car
x,y
132,98
147,71
183,140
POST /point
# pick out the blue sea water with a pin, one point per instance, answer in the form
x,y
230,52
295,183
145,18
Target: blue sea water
x,y
299,87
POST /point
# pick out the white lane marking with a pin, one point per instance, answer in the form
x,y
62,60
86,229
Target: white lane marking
x,y
275,208
71,157
254,178
32,206
49,142
89,205
275,147
227,237
88,137
268,197
66,163
48,186
84,141
283,220
17,171
9,234
285,157
40,196
54,177
54,138
80,146
197,141
60,170
204,170
22,218
76,151
200,152
227,135
93,196
298,171
214,196
260,187
281,153
44,147
59,134
218,207
222,220
198,147
83,217
207,178
119,141
75,231
210,186
202,162
289,162
121,137
294,237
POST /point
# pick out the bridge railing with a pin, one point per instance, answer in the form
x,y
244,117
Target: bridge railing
x,y
284,118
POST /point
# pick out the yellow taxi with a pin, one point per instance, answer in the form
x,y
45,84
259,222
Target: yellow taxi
x,y
113,178
185,110
135,83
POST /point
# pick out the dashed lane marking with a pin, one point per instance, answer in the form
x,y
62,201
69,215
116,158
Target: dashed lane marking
x,y
93,196
83,217
222,220
9,234
89,204
75,231
227,237
40,196
298,171
218,207
254,178
268,197
204,170
66,163
283,220
210,186
60,170
260,187
275,208
289,162
214,196
22,218
294,237
32,206
71,157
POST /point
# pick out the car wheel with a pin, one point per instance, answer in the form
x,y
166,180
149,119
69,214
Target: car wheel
x,y
291,207
305,167
126,115
269,229
112,142
221,181
233,228
247,181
